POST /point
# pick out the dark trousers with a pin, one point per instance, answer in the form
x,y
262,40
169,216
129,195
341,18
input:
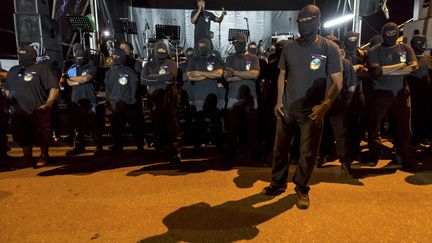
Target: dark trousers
x,y
165,124
242,118
33,129
132,115
335,130
310,135
4,124
421,102
398,109
355,126
84,116
208,127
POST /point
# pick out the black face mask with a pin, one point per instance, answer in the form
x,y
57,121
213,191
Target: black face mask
x,y
350,41
309,29
119,57
27,56
418,44
204,48
161,56
390,34
240,46
81,61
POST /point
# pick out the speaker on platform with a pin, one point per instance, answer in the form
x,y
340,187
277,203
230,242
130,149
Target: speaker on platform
x,y
39,28
32,6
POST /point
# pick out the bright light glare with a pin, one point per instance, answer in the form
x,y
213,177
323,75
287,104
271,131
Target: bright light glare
x,y
106,33
338,21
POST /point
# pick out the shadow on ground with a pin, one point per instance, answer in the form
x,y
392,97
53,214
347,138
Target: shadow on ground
x,y
227,222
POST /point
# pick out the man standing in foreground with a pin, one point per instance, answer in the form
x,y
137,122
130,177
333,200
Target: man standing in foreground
x,y
302,101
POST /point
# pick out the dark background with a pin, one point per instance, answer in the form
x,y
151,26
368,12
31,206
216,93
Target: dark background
x,y
399,13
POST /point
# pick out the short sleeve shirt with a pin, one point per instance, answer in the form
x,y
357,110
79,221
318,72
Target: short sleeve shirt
x,y
200,89
380,56
308,68
86,91
242,63
202,26
168,66
29,87
121,84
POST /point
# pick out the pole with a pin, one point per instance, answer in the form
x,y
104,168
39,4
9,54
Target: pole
x,y
357,23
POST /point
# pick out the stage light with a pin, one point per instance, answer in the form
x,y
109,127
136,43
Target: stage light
x,y
338,21
106,33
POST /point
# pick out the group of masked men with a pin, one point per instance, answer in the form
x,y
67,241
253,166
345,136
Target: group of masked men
x,y
236,96
317,91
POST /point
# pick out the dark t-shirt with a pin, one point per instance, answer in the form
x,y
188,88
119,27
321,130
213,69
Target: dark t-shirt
x,y
202,26
86,91
201,89
166,67
29,87
242,63
121,84
308,68
380,56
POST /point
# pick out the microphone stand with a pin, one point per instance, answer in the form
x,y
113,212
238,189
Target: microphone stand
x,y
247,25
146,28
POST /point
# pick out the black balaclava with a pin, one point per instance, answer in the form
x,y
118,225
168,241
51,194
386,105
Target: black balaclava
x,y
240,43
26,56
205,50
252,48
76,47
189,53
350,41
309,29
81,58
390,34
160,57
418,44
119,57
375,40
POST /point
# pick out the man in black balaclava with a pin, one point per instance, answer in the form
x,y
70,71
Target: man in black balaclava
x,y
160,75
352,52
202,18
241,71
302,101
204,70
32,89
420,90
81,77
121,86
389,63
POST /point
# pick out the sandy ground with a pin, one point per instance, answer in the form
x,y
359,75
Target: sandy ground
x,y
132,198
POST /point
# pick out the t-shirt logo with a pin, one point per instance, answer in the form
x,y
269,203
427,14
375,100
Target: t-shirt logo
x,y
84,73
123,80
210,66
207,19
28,77
248,65
402,57
163,69
315,64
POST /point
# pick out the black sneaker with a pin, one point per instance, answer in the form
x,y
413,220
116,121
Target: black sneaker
x,y
75,151
98,151
175,159
303,200
274,190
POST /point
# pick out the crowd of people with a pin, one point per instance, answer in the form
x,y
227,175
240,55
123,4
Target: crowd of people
x,y
312,99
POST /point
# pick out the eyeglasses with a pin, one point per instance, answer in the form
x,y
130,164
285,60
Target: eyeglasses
x,y
306,19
